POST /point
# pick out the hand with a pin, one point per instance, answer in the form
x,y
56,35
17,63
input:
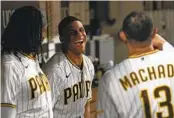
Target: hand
x,y
158,42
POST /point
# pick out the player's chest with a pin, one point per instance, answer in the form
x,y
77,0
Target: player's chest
x,y
76,78
77,86
34,83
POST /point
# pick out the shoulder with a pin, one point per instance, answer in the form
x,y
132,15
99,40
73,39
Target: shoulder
x,y
87,58
88,61
56,64
12,61
8,58
108,77
164,54
167,46
12,68
56,60
89,65
167,52
113,75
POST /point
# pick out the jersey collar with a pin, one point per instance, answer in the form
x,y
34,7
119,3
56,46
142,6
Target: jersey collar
x,y
144,54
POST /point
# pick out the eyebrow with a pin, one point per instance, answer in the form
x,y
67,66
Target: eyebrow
x,y
76,29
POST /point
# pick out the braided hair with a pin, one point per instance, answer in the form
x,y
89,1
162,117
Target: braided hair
x,y
24,31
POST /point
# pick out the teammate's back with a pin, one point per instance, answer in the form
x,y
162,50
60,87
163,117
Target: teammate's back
x,y
142,87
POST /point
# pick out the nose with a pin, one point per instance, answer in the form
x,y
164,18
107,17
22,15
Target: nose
x,y
79,33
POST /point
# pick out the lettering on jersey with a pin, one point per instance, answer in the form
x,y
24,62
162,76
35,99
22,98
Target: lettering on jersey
x,y
77,91
147,74
81,89
33,87
67,95
170,72
134,78
125,82
45,81
151,72
38,85
142,76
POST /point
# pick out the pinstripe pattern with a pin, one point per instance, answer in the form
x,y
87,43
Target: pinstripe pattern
x,y
116,102
67,83
19,81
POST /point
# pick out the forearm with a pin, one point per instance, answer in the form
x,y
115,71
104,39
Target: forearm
x,y
87,110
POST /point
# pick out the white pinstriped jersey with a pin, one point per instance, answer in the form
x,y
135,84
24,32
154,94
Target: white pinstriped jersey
x,y
25,87
71,86
139,87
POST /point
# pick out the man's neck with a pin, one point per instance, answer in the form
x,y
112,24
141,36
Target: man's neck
x,y
139,49
76,59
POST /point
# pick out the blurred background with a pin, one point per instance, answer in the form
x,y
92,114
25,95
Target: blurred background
x,y
102,21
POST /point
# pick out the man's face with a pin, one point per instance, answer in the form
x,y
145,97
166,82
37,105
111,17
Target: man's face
x,y
77,36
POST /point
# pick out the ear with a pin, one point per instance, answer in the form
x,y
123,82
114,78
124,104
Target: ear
x,y
122,36
155,31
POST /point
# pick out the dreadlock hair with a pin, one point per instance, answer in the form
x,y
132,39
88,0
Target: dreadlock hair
x,y
63,29
138,26
24,31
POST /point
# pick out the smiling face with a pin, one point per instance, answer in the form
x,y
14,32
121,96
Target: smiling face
x,y
77,36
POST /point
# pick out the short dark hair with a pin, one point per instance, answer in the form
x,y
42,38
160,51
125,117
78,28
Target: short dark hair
x,y
63,29
24,31
65,23
137,26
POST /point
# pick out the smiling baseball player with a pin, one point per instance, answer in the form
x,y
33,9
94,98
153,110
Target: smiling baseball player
x,y
70,72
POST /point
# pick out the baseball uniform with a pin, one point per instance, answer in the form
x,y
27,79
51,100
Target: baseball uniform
x,y
141,86
71,86
167,46
25,87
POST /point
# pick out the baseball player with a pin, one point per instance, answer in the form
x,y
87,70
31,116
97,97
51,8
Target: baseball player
x,y
25,90
70,72
141,86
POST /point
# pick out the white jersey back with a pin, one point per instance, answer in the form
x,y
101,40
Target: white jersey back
x,y
25,87
71,86
139,87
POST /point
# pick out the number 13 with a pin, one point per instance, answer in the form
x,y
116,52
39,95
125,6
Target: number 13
x,y
167,103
